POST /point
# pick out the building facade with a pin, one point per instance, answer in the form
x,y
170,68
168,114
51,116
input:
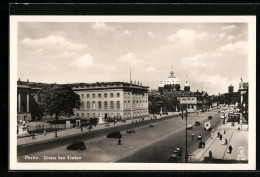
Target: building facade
x,y
112,100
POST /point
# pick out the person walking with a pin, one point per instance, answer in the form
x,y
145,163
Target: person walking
x,y
210,154
220,137
192,136
119,141
230,149
218,134
203,144
225,141
33,136
224,132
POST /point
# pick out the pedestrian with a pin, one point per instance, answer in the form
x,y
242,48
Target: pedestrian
x,y
224,132
203,144
226,141
192,136
119,141
200,144
44,132
33,136
210,154
220,137
230,149
218,134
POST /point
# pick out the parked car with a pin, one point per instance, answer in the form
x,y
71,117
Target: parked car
x,y
151,125
200,136
189,126
76,146
210,117
176,153
130,131
197,123
114,135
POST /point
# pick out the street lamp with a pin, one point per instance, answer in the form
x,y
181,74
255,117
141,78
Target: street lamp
x,y
186,115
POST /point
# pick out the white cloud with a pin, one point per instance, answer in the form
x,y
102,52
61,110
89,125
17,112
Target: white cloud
x,y
52,41
196,60
185,35
222,35
150,69
228,27
238,47
130,58
127,33
84,61
102,26
230,37
151,35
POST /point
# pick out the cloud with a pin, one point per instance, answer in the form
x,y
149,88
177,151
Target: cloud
x,y
151,35
130,58
127,33
238,47
52,41
84,61
150,69
102,26
185,35
196,60
229,38
228,27
222,35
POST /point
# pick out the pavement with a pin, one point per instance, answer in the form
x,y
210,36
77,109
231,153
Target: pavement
x,y
41,137
238,139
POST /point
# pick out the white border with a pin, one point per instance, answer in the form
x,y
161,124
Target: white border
x,y
251,20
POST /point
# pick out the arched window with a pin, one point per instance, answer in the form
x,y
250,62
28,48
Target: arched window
x,y
93,105
105,105
88,105
118,104
99,105
111,105
82,105
125,105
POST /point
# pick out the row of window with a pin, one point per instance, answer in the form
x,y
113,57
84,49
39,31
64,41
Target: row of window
x,y
135,95
105,104
184,99
112,114
136,104
99,95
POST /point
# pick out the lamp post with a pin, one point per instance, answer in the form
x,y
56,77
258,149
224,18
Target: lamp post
x,y
186,153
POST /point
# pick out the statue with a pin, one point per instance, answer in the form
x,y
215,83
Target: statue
x,y
241,79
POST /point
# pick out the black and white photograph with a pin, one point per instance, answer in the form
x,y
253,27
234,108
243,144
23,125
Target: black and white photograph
x,y
132,92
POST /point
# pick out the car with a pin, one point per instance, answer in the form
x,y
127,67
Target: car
x,y
114,135
130,131
189,126
210,117
176,154
200,136
151,125
197,123
76,146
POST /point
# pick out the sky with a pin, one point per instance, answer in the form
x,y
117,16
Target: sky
x,y
210,56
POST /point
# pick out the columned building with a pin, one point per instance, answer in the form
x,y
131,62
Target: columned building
x,y
112,100
23,103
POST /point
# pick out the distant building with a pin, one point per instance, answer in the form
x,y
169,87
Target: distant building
x,y
112,100
230,89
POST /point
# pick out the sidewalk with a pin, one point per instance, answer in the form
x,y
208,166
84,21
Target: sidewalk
x,y
72,132
238,139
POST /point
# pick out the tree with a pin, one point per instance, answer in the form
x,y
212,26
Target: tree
x,y
58,100
170,103
153,107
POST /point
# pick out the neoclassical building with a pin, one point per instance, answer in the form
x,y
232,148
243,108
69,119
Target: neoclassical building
x,y
112,99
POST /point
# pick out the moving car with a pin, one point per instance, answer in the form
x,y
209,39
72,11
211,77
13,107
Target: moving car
x,y
76,146
114,135
130,131
190,110
151,125
210,117
189,126
176,154
197,123
200,136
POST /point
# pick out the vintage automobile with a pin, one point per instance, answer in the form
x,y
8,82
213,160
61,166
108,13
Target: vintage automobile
x,y
114,135
189,126
176,154
210,117
151,125
130,131
197,123
76,146
200,136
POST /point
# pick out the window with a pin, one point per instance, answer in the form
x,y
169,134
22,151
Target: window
x,y
99,105
134,104
128,95
128,114
105,105
82,114
82,96
88,95
111,105
77,114
93,105
137,104
93,95
99,95
125,104
118,94
125,95
128,104
94,115
118,115
105,95
88,105
118,104
111,95
82,105
88,114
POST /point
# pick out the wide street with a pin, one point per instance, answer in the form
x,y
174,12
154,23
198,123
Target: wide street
x,y
147,144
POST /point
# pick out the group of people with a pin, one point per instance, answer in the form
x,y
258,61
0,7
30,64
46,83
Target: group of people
x,y
201,144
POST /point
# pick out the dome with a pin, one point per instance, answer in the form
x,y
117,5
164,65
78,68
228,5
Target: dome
x,y
186,84
161,84
172,80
